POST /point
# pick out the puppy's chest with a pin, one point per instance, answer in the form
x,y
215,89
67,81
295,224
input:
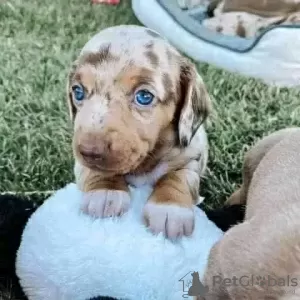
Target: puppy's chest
x,y
148,178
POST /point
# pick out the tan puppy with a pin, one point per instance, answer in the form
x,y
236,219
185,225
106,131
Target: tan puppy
x,y
260,258
138,108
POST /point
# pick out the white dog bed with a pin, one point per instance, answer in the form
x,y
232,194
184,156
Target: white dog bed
x,y
65,254
273,56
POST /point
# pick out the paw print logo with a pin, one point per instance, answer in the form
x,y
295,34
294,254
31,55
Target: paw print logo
x,y
261,281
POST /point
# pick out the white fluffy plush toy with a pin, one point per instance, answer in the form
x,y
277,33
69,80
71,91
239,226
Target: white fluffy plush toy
x,y
65,254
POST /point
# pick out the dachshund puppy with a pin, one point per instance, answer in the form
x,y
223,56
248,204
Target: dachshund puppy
x,y
260,258
138,108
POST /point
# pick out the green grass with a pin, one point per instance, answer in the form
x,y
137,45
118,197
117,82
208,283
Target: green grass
x,y
39,40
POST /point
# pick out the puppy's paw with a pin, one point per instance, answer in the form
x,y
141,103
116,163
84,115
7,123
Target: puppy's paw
x,y
105,203
172,220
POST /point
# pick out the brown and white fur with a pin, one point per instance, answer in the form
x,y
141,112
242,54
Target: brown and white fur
x,y
116,142
246,18
267,244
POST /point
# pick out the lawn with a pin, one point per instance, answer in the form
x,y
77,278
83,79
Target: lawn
x,y
39,40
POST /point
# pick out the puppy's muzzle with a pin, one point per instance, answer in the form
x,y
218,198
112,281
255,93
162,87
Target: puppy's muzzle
x,y
111,151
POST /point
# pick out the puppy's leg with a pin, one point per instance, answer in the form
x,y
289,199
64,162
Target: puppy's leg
x,y
103,196
252,159
170,207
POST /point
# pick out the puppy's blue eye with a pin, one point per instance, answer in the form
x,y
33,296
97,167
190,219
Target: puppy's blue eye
x,y
144,97
78,92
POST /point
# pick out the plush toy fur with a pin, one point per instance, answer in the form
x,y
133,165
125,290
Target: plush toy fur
x,y
14,212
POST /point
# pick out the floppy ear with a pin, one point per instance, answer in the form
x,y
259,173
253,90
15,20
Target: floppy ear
x,y
72,108
196,103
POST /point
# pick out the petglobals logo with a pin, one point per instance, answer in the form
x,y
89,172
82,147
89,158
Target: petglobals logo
x,y
192,286
251,281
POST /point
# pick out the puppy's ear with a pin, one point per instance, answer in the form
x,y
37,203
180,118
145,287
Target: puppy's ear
x,y
196,103
72,108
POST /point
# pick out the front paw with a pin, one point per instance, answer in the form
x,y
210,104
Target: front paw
x,y
106,203
172,220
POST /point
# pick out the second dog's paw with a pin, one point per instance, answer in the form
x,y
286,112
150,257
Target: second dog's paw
x,y
172,220
105,203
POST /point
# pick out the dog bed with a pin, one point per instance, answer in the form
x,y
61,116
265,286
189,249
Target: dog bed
x,y
271,56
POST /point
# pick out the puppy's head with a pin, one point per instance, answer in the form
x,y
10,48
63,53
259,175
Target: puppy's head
x,y
125,90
